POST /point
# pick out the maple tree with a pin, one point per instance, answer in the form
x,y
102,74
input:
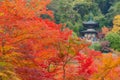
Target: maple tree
x,y
33,44
22,32
108,68
105,30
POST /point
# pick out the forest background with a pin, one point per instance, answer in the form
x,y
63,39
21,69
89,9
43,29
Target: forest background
x,y
74,12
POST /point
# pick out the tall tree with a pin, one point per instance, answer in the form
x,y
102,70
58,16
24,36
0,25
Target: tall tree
x,y
113,11
37,47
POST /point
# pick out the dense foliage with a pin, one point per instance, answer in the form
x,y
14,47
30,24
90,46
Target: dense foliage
x,y
116,24
95,46
64,13
73,12
114,39
114,35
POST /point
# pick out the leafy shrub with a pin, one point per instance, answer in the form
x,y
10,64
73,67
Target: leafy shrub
x,y
114,39
95,46
105,46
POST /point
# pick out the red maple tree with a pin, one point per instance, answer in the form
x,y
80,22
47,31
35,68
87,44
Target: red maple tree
x,y
40,48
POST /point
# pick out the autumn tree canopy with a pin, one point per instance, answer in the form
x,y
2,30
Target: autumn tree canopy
x,y
116,24
33,44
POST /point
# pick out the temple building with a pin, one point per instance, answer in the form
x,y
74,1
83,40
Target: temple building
x,y
90,33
